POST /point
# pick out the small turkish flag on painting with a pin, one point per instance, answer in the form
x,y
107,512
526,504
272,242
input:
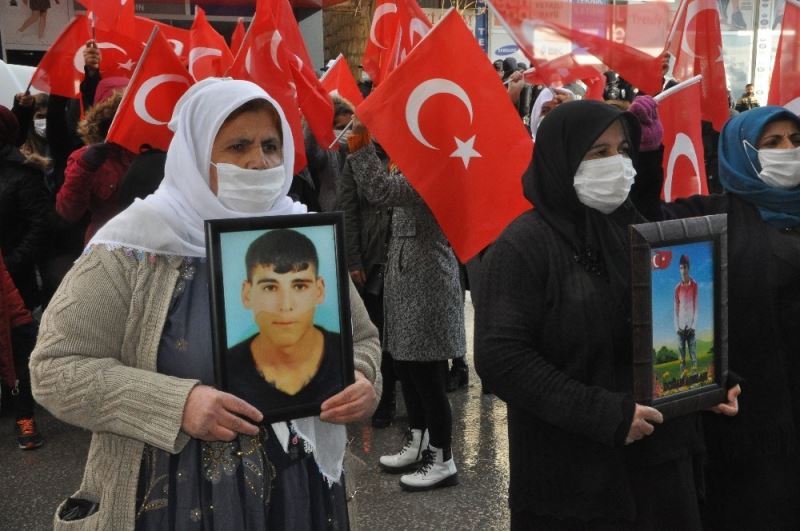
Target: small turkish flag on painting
x,y
661,259
446,120
146,108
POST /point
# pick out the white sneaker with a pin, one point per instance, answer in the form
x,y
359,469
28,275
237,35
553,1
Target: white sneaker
x,y
433,473
410,456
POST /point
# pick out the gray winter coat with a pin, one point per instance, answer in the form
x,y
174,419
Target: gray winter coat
x,y
424,308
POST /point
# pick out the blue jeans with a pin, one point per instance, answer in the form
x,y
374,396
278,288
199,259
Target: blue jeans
x,y
686,337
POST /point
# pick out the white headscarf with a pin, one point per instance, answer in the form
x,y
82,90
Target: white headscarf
x,y
546,95
171,220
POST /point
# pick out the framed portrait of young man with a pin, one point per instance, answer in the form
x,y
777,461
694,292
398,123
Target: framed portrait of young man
x,y
679,313
280,311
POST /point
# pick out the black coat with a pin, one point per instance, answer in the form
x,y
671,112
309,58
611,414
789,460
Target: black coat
x,y
24,214
366,226
763,347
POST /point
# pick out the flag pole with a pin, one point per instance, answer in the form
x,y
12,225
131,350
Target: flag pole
x,y
348,126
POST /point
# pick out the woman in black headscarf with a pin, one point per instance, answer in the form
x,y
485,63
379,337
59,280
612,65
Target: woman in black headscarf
x,y
553,342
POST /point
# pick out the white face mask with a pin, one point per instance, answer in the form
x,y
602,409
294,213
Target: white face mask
x,y
249,191
780,167
40,126
604,184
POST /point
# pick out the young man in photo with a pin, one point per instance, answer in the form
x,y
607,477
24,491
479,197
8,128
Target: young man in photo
x,y
290,361
686,313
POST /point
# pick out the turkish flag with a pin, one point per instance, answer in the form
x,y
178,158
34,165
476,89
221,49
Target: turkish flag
x,y
112,15
338,80
238,36
258,61
784,88
560,71
623,37
439,121
178,38
159,81
209,55
60,71
397,26
317,106
661,259
684,162
696,43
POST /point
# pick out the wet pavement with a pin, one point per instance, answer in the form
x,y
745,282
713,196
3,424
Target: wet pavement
x,y
34,482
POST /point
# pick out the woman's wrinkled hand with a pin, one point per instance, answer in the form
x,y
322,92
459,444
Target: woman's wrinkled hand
x,y
355,402
212,415
731,407
642,424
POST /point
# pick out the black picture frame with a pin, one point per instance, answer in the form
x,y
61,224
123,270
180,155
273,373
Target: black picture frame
x,y
656,382
235,369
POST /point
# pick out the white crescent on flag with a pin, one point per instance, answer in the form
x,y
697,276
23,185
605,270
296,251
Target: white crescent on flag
x,y
694,9
424,91
682,147
380,11
418,27
197,53
78,61
140,101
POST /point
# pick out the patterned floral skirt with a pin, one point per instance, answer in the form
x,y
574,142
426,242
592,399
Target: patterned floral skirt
x,y
246,484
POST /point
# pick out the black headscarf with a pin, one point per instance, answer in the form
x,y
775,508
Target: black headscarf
x,y
599,241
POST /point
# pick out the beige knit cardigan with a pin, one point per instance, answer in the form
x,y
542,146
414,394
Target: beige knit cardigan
x,y
94,366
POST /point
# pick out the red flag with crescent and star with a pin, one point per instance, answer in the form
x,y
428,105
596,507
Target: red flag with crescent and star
x,y
158,83
397,26
60,71
695,41
338,80
259,61
178,38
209,55
684,162
450,127
784,87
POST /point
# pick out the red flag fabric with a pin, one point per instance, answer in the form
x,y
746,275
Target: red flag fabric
x,y
626,38
439,121
338,80
595,87
209,55
684,163
258,61
289,55
60,71
397,26
785,85
238,36
159,81
178,38
562,70
696,43
112,15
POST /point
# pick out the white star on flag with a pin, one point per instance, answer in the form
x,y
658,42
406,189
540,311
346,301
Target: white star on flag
x,y
465,151
127,65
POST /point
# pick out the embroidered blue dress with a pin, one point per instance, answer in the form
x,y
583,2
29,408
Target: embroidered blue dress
x,y
249,483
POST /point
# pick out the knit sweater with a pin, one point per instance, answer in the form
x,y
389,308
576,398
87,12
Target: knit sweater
x,y
94,366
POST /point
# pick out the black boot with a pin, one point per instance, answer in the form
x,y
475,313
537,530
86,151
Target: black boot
x,y
457,378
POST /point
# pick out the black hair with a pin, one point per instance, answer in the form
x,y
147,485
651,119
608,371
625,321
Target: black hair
x,y
684,261
286,250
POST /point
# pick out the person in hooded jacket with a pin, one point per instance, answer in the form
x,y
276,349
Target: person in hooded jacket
x,y
753,471
554,342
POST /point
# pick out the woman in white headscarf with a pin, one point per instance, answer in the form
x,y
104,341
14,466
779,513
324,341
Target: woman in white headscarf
x,y
125,349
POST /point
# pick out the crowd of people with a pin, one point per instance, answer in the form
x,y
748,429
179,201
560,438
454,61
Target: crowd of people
x,y
104,260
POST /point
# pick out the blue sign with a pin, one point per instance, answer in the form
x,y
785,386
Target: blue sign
x,y
482,25
508,49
